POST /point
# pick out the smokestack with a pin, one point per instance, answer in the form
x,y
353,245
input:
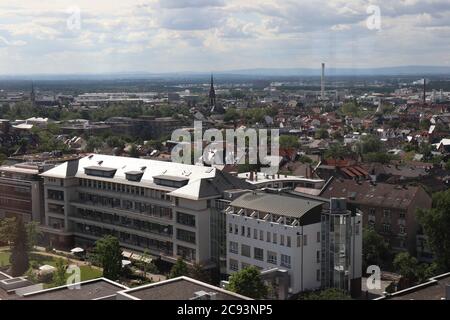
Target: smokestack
x,y
424,90
322,83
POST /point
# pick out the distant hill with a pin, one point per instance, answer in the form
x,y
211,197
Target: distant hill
x,y
246,73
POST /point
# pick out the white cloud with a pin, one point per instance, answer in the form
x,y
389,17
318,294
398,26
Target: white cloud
x,y
175,35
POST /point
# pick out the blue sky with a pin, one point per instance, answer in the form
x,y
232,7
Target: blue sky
x,y
212,35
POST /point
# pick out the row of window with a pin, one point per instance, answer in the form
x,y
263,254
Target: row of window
x,y
268,236
124,188
387,215
272,257
148,208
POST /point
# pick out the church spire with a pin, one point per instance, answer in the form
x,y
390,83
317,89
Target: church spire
x,y
212,95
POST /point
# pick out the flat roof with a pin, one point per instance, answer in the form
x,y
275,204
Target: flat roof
x,y
88,290
181,288
277,204
431,290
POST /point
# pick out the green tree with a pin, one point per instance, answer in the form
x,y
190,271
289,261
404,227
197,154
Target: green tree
x,y
337,150
375,249
436,226
327,294
288,141
322,134
248,282
109,254
406,266
231,115
370,144
199,273
19,252
59,278
179,269
33,234
134,152
7,229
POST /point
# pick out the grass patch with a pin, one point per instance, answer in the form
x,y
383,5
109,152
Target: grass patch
x,y
87,272
4,258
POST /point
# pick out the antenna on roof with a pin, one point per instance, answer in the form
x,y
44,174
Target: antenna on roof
x,y
100,162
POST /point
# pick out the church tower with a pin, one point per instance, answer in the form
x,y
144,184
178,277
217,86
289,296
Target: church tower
x,y
212,95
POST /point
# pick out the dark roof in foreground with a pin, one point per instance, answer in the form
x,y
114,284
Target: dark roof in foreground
x,y
96,289
277,204
435,289
181,288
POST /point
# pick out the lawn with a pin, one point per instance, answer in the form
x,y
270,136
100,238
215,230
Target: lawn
x,y
4,258
87,272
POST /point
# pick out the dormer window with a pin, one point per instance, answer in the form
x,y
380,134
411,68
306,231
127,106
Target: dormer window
x,y
100,171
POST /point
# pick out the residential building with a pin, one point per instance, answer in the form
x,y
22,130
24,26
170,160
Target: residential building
x,y
318,242
389,209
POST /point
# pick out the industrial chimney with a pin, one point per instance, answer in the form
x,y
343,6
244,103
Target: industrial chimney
x,y
424,91
322,83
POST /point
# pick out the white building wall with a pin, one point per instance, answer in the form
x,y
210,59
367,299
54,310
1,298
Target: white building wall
x,y
308,252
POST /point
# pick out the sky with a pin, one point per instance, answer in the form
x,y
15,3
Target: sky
x,y
159,36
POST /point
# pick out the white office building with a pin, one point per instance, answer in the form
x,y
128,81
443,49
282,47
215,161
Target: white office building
x,y
166,208
316,241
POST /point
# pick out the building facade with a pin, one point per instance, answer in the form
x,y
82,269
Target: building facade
x,y
318,242
163,207
22,191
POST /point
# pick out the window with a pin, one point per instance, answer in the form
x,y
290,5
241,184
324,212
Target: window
x,y
285,261
268,236
281,239
402,215
305,240
274,238
185,235
243,231
186,219
245,250
186,253
244,265
357,229
318,256
402,229
288,241
258,254
271,257
299,241
261,235
387,214
318,236
255,234
231,228
235,229
386,227
234,265
234,247
249,232
318,274
372,211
